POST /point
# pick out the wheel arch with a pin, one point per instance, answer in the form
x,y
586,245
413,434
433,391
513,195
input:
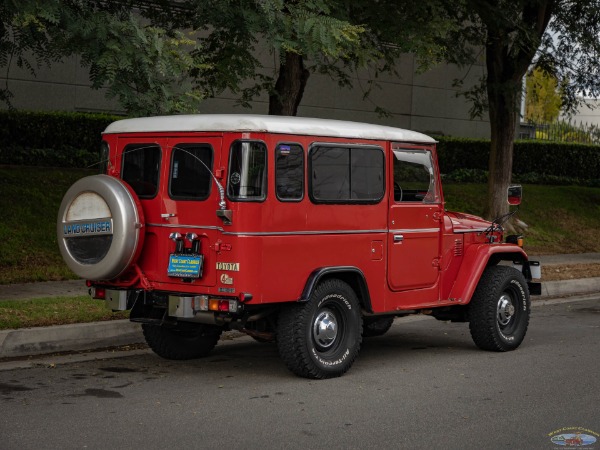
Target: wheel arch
x,y
476,260
351,275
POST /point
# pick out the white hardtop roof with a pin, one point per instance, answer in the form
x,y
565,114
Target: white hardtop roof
x,y
266,124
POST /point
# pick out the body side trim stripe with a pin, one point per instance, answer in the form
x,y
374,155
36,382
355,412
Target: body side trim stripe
x,y
267,233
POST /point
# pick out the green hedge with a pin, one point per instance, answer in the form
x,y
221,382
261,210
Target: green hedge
x,y
62,139
531,159
56,139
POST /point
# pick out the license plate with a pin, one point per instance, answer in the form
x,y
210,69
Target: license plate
x,y
185,266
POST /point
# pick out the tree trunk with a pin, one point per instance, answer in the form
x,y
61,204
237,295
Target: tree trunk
x,y
503,104
289,87
507,62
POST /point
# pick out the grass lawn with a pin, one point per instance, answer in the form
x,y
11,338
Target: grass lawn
x,y
29,201
561,219
43,312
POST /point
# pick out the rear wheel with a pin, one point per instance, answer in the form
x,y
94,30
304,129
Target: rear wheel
x,y
321,338
499,310
376,326
185,341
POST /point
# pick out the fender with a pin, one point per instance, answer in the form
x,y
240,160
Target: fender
x,y
476,259
351,275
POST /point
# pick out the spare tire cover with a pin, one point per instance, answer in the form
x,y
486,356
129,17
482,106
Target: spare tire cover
x,y
100,227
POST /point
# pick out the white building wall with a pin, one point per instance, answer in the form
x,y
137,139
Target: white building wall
x,y
588,114
425,102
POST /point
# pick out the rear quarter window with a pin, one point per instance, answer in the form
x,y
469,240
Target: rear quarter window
x,y
289,172
346,174
247,177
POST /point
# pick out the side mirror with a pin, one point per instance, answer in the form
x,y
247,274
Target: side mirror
x,y
515,194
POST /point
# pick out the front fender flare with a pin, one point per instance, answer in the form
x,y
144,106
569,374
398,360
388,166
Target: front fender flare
x,y
476,259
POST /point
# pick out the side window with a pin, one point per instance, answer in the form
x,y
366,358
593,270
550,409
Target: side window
x,y
346,174
141,166
289,172
247,171
191,166
414,179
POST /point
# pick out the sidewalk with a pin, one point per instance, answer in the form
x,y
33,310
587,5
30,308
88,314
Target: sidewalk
x,y
63,338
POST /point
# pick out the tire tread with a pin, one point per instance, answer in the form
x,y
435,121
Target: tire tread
x,y
482,313
291,339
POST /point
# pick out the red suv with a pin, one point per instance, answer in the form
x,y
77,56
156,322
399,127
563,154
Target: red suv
x,y
313,233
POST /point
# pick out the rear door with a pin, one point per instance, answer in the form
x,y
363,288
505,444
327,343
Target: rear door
x,y
414,220
192,199
173,180
143,168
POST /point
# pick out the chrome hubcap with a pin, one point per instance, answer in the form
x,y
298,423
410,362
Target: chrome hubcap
x,y
506,310
325,329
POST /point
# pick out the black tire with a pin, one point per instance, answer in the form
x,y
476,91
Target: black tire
x,y
376,326
186,341
321,338
499,310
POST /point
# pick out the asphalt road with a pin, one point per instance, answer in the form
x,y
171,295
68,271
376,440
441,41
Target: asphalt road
x,y
422,386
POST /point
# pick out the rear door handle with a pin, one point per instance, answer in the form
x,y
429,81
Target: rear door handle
x,y
398,238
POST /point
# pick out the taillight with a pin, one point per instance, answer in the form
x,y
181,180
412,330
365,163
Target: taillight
x,y
203,303
98,293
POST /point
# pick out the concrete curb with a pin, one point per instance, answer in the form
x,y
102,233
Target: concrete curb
x,y
63,338
563,288
86,336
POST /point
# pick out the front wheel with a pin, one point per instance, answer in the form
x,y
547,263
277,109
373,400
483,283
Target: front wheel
x,y
499,310
321,338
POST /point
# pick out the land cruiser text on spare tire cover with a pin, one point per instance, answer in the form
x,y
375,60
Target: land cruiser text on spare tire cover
x,y
100,227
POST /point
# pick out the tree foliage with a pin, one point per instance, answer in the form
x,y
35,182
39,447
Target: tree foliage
x,y
145,67
559,36
335,38
542,97
145,59
570,51
23,41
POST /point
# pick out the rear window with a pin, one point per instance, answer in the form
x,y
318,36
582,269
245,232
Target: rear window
x,y
191,168
346,174
141,165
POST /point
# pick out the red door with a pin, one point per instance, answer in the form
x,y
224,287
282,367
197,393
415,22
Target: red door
x,y
173,180
414,221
